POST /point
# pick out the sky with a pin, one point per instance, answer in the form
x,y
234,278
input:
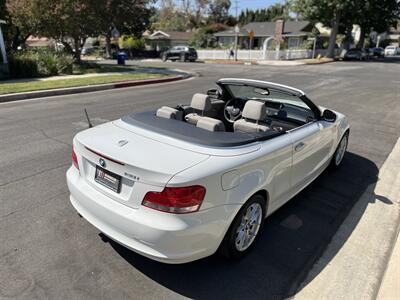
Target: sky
x,y
252,4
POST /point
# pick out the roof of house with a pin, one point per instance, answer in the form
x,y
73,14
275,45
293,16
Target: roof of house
x,y
291,28
171,35
35,41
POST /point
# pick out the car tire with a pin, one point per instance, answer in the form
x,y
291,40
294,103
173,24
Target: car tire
x,y
244,232
337,157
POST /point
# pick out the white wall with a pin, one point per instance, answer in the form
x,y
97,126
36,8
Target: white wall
x,y
2,48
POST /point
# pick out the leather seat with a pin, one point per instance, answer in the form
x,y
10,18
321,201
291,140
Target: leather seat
x,y
253,112
200,102
210,124
169,113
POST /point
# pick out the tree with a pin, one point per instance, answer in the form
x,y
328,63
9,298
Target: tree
x,y
204,37
128,17
71,22
20,23
275,12
328,12
219,11
201,7
378,16
67,21
170,17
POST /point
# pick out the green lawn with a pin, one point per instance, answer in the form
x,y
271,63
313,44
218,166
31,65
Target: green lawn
x,y
9,88
87,68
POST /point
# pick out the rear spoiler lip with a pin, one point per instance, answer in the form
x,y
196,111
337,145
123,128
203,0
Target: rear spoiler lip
x,y
106,157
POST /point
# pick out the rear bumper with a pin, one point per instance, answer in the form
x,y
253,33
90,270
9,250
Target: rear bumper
x,y
160,236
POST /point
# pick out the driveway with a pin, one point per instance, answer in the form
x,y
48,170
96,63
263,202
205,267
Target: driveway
x,y
47,251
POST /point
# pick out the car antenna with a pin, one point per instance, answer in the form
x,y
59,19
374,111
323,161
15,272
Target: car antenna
x,y
87,117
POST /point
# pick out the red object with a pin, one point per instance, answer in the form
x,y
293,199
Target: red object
x,y
75,159
179,200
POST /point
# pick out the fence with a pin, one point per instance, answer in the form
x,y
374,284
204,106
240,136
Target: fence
x,y
259,54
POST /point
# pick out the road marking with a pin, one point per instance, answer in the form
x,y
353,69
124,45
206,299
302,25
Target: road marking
x,y
353,265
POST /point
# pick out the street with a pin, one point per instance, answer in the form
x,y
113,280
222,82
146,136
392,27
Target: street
x,y
48,251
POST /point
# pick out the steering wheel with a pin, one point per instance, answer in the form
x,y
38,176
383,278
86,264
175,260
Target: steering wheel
x,y
233,109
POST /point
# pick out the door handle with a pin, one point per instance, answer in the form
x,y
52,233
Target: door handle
x,y
299,146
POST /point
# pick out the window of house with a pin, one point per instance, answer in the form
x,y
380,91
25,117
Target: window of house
x,y
294,42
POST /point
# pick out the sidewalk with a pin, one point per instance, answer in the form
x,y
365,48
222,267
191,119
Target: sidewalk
x,y
360,262
88,75
390,287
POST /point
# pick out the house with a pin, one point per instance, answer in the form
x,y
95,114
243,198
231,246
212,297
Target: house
x,y
160,40
294,33
38,42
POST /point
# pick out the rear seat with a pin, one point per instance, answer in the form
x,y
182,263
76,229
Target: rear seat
x,y
200,102
169,113
210,124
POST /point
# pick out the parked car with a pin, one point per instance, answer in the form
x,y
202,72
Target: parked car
x,y
356,54
87,50
391,50
377,52
182,53
179,184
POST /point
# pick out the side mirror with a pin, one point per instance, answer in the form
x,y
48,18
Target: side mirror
x,y
329,116
214,92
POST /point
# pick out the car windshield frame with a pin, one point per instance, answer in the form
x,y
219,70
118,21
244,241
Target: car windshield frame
x,y
225,84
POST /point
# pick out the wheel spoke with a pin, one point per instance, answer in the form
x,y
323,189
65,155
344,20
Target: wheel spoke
x,y
240,239
249,227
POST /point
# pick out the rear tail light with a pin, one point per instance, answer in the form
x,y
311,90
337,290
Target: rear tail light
x,y
179,200
74,159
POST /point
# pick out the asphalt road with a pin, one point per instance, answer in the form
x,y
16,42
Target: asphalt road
x,y
47,251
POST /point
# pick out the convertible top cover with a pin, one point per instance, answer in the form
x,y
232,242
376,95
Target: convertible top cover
x,y
189,133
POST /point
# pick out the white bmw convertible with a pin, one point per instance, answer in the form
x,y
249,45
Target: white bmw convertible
x,y
179,184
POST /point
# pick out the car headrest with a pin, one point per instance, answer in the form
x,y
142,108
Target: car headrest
x,y
201,102
254,110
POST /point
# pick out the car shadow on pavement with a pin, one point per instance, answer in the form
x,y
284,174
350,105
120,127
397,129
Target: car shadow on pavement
x,y
387,59
292,240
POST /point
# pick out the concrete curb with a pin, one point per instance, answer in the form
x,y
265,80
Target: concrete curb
x,y
390,287
89,88
355,261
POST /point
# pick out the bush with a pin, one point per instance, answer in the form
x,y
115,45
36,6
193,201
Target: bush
x,y
205,38
131,43
23,66
64,64
39,62
47,64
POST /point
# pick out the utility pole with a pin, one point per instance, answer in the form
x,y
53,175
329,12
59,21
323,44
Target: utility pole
x,y
236,28
236,9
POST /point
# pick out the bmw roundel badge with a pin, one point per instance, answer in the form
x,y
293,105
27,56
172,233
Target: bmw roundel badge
x,y
102,162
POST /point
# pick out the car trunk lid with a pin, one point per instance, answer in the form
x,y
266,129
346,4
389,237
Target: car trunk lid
x,y
143,164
